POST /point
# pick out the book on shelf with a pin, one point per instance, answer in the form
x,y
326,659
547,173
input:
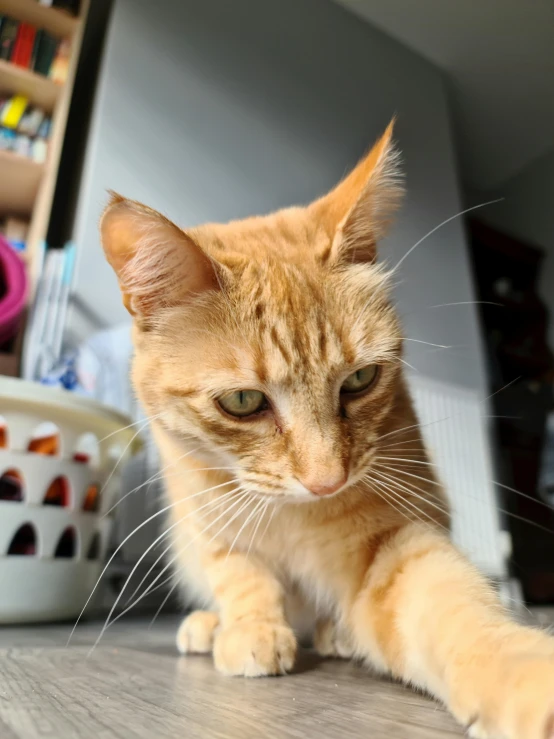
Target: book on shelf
x,y
45,52
24,128
13,110
59,68
15,230
8,32
69,6
22,52
26,46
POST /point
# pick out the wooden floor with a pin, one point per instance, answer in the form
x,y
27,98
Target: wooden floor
x,y
135,685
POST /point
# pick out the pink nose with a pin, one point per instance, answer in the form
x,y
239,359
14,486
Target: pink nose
x,y
327,487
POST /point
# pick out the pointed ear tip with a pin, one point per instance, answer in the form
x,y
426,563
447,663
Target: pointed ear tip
x,y
114,198
388,133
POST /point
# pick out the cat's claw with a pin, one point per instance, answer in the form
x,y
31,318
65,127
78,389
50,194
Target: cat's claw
x,y
196,633
254,649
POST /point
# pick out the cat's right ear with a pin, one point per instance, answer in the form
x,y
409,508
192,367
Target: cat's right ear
x,y
158,265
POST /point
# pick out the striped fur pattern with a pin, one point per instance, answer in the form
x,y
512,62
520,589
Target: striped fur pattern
x,y
290,305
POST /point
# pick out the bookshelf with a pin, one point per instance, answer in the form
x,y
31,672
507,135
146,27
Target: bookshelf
x,y
54,21
40,90
20,178
27,187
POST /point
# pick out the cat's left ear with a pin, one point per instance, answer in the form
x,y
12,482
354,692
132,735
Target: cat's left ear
x,y
357,212
157,264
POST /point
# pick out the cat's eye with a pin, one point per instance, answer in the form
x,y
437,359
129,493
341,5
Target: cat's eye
x,y
243,402
360,380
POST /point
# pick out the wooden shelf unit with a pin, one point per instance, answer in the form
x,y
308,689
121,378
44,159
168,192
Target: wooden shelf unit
x,y
54,21
19,183
26,187
40,90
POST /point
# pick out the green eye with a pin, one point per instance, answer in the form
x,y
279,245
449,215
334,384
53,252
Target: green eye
x,y
243,402
360,380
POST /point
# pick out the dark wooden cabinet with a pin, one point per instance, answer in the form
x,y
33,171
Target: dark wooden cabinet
x,y
515,323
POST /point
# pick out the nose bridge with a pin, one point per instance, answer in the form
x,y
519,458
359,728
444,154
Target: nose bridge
x,y
320,452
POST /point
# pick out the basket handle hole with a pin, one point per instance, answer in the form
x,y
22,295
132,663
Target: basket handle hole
x,y
67,545
58,493
24,542
11,486
4,437
87,450
92,498
94,547
45,439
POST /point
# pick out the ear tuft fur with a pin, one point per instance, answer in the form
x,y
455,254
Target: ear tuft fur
x,y
358,211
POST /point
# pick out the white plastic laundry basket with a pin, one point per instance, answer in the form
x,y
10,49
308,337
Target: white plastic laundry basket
x,y
57,480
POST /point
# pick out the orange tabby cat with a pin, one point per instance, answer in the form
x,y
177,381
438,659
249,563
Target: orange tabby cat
x,y
268,356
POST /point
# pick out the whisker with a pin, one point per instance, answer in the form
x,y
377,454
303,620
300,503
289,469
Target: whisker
x,y
528,521
409,461
494,482
141,558
158,475
260,517
274,508
411,366
523,495
385,494
164,601
183,550
429,343
126,539
411,474
246,522
467,302
413,491
415,509
212,505
136,423
504,387
498,508
105,485
436,228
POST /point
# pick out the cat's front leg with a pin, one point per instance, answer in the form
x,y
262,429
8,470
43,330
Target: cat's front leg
x,y
253,638
424,614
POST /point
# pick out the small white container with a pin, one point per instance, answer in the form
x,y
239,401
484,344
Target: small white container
x,y
52,554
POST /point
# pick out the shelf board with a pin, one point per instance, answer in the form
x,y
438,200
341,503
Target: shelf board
x,y
50,19
19,183
40,90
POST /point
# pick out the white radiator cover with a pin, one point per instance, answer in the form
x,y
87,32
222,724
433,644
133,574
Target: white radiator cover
x,y
456,434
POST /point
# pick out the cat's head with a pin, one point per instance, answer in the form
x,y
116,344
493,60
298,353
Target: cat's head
x,y
268,345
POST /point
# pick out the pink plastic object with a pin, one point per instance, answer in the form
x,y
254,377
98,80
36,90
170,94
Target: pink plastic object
x,y
13,290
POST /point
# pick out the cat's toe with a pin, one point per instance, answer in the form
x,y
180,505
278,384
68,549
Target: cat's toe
x,y
196,633
331,641
255,649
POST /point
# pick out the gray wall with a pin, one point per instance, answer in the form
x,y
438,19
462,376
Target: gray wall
x,y
527,213
214,110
